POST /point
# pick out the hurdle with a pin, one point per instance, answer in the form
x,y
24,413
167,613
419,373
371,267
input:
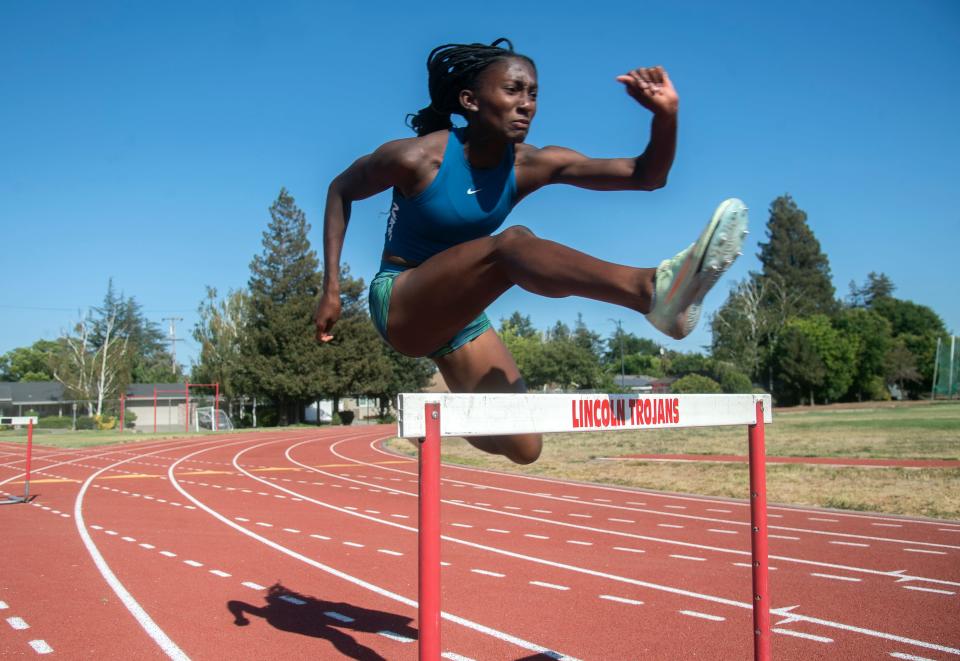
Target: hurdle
x,y
430,417
29,421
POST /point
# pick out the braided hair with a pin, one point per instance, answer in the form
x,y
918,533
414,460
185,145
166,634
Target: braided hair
x,y
452,68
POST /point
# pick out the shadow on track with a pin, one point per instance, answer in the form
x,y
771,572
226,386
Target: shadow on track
x,y
291,611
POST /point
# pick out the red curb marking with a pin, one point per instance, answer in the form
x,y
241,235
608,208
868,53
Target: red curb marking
x,y
830,461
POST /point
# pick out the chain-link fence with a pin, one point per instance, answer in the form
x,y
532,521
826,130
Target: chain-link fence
x,y
946,368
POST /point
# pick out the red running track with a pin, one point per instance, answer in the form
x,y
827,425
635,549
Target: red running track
x,y
297,544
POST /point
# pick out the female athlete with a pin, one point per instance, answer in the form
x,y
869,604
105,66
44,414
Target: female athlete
x,y
442,264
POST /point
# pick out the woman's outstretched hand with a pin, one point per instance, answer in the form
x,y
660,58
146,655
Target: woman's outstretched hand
x,y
652,89
327,314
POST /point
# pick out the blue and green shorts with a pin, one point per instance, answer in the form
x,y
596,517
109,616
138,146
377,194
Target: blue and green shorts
x,y
379,300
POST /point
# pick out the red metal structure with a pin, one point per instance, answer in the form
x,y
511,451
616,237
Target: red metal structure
x,y
186,396
708,410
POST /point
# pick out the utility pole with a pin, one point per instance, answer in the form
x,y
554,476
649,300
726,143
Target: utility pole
x,y
173,340
623,377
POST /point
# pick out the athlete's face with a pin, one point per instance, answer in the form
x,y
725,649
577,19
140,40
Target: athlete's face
x,y
505,98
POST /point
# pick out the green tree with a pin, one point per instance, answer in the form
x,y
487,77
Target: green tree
x,y
901,366
917,327
219,332
792,259
518,324
816,359
147,358
871,337
562,361
356,356
877,288
406,374
281,360
695,384
28,363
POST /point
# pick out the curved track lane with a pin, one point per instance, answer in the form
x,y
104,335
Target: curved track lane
x,y
304,544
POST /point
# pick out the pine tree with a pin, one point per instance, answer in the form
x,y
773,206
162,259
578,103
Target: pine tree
x,y
792,259
281,358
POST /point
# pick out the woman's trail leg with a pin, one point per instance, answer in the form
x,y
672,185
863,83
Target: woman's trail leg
x,y
485,365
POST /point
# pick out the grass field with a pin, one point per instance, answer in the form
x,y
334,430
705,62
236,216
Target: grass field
x,y
902,431
909,431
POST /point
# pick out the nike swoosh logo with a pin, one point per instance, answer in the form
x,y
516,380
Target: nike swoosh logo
x,y
472,191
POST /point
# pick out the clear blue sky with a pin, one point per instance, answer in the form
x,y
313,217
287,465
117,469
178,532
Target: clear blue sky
x,y
145,141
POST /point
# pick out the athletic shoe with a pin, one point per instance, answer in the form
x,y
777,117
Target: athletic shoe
x,y
682,282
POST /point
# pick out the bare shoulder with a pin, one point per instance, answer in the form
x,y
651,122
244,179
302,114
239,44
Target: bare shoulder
x,y
538,166
410,153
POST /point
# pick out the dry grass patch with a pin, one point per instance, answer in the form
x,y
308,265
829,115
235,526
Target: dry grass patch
x,y
891,432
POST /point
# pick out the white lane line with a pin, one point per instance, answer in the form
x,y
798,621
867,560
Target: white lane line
x,y
673,525
400,516
792,539
532,536
221,574
633,502
169,554
17,623
340,617
264,525
887,525
253,586
353,544
806,636
293,530
676,507
395,636
622,600
149,547
3,605
111,532
323,537
582,516
704,616
498,530
817,518
688,557
628,550
862,546
97,527
461,525
128,539
920,589
485,572
723,532
511,507
925,551
574,541
552,586
837,578
543,511
949,529
292,600
389,552
621,520
720,511
453,656
41,647
193,563
909,657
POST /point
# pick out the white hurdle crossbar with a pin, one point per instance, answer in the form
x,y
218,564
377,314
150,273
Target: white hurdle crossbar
x,y
430,417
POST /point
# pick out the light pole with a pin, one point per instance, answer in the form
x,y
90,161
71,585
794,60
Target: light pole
x,y
623,377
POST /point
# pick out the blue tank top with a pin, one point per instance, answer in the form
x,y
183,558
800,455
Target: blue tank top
x,y
460,204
